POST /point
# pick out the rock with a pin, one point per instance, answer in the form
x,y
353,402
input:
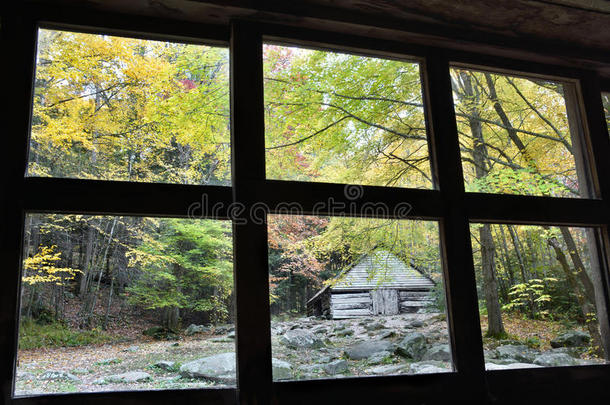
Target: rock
x,y
438,352
193,329
165,365
320,329
128,377
518,352
80,371
379,358
429,367
387,334
25,375
336,367
570,351
387,369
573,338
282,370
502,361
494,366
231,335
414,324
297,339
132,349
374,326
219,367
159,332
412,346
555,360
365,350
58,375
311,369
344,332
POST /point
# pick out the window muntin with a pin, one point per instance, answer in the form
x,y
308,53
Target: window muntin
x,y
116,108
341,118
537,289
109,298
356,297
519,135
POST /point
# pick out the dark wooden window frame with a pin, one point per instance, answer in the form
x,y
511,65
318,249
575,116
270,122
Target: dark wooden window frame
x,y
448,204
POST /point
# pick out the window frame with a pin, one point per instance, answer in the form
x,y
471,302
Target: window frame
x,y
448,203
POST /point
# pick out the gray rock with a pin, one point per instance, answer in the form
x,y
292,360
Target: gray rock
x,y
311,369
412,346
379,358
429,367
165,365
128,377
231,335
336,367
573,338
282,370
518,352
438,352
374,326
132,349
365,350
344,332
387,334
555,360
297,339
219,367
494,366
25,375
416,323
193,329
80,371
58,375
502,361
320,329
388,369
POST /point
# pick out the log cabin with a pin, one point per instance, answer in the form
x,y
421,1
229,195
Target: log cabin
x,y
379,283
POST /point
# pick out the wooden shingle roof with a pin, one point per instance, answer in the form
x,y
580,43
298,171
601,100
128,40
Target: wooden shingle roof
x,y
381,269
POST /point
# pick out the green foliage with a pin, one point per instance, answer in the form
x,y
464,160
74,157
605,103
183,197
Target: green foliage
x,y
531,297
33,335
188,266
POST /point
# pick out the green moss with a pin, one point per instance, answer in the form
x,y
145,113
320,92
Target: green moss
x,y
33,335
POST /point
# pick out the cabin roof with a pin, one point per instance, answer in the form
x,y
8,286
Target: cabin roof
x,y
380,269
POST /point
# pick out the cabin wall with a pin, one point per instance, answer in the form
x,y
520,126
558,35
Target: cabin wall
x,y
345,305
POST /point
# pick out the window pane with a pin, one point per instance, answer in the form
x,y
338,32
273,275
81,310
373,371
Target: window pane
x,y
125,303
334,117
519,135
356,297
117,108
538,295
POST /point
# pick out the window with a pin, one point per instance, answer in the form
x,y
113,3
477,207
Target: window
x,y
424,209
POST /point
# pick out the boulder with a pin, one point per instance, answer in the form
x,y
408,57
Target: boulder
x,y
520,353
429,367
132,349
282,370
365,350
54,375
438,352
416,323
344,332
165,365
412,346
193,329
575,338
374,326
494,366
379,358
388,369
299,339
219,367
128,377
80,371
336,367
555,360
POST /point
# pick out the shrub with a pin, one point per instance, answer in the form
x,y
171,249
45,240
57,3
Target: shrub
x,y
33,335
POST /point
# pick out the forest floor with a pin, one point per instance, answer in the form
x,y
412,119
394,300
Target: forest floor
x,y
95,367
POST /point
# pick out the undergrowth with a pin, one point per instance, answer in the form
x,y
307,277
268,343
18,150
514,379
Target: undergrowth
x,y
33,335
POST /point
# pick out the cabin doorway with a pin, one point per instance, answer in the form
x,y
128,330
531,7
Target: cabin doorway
x,y
385,301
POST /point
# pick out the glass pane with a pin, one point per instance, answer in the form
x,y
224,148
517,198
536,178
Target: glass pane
x,y
518,135
356,297
115,108
339,118
125,303
539,292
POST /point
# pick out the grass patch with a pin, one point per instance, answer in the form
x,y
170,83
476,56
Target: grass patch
x,y
33,335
